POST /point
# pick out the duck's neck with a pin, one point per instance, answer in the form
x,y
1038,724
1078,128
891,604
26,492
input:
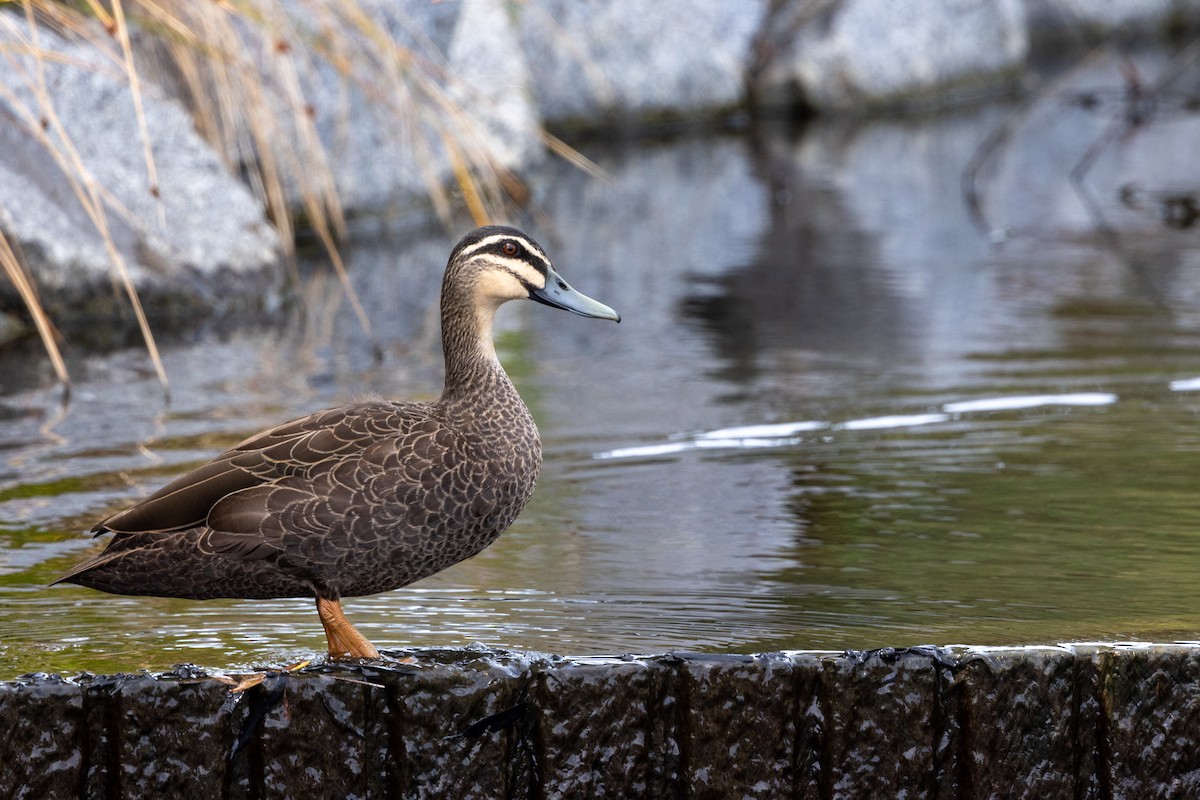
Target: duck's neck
x,y
473,373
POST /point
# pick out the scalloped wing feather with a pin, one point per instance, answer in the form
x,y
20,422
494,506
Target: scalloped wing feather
x,y
294,448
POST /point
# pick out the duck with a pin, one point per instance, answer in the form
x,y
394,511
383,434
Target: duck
x,y
362,498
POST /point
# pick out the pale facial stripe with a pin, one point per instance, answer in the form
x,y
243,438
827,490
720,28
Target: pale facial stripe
x,y
521,270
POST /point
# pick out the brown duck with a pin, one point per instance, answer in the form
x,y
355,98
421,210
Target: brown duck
x,y
362,498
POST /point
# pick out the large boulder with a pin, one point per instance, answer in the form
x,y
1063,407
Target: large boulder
x,y
597,62
913,53
199,236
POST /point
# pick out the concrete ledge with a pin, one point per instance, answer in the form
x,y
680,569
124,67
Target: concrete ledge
x,y
1071,721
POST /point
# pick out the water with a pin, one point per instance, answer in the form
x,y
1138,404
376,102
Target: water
x,y
833,417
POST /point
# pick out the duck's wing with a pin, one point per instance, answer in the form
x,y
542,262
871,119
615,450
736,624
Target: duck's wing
x,y
406,480
281,491
292,449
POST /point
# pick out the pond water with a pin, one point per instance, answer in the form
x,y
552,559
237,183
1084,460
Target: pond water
x,y
835,415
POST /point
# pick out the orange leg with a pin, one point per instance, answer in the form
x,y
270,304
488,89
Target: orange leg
x,y
344,640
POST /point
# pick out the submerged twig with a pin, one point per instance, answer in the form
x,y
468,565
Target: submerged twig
x,y
1141,104
973,193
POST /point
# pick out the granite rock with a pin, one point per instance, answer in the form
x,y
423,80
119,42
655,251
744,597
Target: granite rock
x,y
863,53
604,62
198,233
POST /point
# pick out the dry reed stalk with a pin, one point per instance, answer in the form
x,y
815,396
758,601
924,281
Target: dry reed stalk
x,y
15,270
48,129
135,90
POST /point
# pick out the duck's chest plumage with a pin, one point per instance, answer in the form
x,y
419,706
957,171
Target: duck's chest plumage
x,y
438,494
441,486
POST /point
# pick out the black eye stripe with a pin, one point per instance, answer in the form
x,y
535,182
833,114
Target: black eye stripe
x,y
528,253
524,253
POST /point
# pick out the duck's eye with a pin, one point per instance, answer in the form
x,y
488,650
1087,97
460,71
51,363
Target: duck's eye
x,y
509,248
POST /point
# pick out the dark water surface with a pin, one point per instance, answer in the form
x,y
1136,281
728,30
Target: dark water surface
x,y
833,417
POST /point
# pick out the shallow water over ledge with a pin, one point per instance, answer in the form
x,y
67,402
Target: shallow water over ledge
x,y
833,417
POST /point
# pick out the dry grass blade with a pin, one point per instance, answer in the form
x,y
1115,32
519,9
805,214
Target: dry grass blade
x,y
574,157
86,189
15,271
421,93
596,76
135,89
470,191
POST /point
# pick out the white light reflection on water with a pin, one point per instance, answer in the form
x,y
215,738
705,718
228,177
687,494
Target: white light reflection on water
x,y
782,434
892,421
780,430
1018,402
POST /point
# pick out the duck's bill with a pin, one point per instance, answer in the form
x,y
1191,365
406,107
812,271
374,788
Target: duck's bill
x,y
558,294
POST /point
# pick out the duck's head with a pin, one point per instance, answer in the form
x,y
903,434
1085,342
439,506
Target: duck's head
x,y
501,264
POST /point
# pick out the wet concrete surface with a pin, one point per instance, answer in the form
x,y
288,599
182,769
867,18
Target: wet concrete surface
x,y
1083,721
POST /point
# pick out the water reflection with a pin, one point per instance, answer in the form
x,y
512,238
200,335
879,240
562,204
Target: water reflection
x,y
782,434
833,417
